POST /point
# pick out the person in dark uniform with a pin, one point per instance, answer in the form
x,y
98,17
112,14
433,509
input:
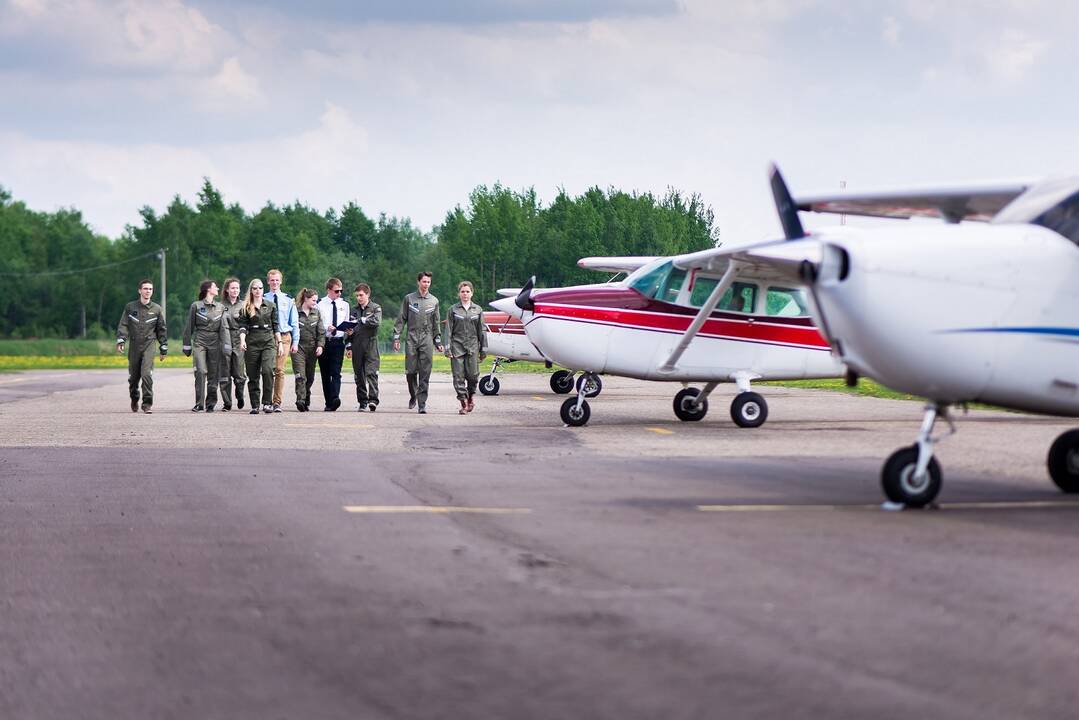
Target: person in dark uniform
x,y
466,346
311,344
332,309
419,310
143,322
206,337
260,340
232,371
362,348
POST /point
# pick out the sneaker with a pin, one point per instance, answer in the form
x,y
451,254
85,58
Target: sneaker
x,y
146,409
197,408
254,411
412,403
135,405
423,409
226,407
240,400
209,408
372,407
360,408
267,409
277,408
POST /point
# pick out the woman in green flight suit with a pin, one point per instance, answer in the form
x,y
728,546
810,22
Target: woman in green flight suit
x,y
466,346
206,336
312,340
260,338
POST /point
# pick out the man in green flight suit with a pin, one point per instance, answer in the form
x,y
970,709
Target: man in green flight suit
x,y
143,321
362,347
419,310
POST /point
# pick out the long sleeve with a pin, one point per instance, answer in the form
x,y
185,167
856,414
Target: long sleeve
x,y
482,330
438,324
375,318
225,332
402,318
122,330
294,322
449,331
189,327
162,331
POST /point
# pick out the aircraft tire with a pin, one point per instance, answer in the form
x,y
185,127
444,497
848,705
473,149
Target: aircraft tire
x,y
896,479
562,381
572,416
1064,462
749,410
594,381
683,407
489,385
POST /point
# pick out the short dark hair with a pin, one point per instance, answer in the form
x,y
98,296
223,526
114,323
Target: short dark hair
x,y
205,288
306,293
333,282
145,281
362,286
423,274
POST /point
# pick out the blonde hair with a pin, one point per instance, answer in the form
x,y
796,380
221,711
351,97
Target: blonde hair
x,y
249,302
275,271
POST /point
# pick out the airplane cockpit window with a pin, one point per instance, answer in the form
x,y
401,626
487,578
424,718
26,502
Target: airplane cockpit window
x,y
651,280
1053,204
785,302
673,286
740,297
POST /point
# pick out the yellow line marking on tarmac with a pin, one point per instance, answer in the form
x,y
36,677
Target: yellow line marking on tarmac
x,y
538,397
434,509
362,426
660,431
987,505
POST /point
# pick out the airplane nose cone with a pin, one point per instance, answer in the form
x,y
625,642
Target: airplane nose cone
x,y
507,305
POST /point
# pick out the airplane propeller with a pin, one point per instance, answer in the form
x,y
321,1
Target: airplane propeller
x,y
788,211
524,298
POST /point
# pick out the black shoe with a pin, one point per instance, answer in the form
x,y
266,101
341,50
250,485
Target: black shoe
x,y
209,408
135,405
412,403
300,407
146,409
226,407
240,401
372,407
277,408
197,408
360,408
254,411
336,403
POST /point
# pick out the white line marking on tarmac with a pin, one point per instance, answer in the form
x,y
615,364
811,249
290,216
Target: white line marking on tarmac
x,y
362,426
434,509
987,505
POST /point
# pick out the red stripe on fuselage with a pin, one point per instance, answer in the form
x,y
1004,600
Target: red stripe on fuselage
x,y
759,330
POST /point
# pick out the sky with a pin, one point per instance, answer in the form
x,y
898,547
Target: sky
x,y
405,106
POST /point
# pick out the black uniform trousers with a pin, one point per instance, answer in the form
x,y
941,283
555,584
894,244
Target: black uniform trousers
x,y
329,368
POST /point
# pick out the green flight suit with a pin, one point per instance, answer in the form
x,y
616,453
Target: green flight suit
x,y
466,340
139,327
424,321
363,342
312,337
232,364
261,331
206,336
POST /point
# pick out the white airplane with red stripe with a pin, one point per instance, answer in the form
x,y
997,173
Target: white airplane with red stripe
x,y
675,319
508,343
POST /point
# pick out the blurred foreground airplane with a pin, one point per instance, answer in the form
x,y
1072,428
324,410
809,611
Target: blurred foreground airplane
x,y
507,343
954,313
676,319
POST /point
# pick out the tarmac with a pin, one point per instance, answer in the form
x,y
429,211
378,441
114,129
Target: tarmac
x,y
499,564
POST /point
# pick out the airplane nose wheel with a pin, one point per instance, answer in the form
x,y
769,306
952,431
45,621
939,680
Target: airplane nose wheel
x,y
591,383
902,485
575,416
489,385
1064,462
687,407
749,410
562,382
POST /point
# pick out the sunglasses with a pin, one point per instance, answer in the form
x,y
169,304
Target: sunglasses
x,y
256,287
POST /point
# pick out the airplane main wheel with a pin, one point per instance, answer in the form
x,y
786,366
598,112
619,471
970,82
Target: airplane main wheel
x,y
574,416
898,481
1064,461
562,382
489,385
749,410
593,385
685,407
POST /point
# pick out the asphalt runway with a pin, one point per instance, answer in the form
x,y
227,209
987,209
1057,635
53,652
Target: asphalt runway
x,y
500,565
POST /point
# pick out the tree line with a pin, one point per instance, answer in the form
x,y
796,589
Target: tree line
x,y
63,280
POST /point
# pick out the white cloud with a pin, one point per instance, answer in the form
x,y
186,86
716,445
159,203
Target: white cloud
x,y
232,84
891,31
1012,55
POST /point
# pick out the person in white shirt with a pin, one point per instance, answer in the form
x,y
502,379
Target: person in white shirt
x,y
333,310
290,332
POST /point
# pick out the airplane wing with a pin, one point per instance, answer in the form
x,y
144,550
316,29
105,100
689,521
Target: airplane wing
x,y
979,202
625,264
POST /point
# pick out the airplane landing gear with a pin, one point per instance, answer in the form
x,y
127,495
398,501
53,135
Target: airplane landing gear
x,y
691,404
749,410
489,384
562,382
575,411
591,383
912,475
1064,462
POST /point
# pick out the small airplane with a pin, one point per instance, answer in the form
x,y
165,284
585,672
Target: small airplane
x,y
955,313
507,343
673,321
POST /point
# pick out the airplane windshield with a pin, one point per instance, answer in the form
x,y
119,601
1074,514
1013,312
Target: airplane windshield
x,y
1053,205
649,279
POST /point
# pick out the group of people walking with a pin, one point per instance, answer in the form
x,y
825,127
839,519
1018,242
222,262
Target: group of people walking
x,y
235,342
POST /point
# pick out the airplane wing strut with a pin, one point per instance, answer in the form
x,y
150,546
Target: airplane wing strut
x,y
702,315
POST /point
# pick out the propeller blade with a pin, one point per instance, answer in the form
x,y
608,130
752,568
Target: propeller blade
x,y
788,211
524,298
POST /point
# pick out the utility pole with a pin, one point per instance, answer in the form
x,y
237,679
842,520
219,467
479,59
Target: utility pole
x,y
842,186
164,295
